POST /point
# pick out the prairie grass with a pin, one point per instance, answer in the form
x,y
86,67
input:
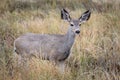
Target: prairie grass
x,y
95,54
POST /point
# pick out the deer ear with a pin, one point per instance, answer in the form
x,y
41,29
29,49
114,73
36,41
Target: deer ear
x,y
65,15
85,16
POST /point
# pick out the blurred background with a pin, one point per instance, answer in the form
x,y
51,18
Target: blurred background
x,y
95,54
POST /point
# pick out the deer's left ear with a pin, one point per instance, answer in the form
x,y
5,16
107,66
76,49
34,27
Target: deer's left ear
x,y
85,16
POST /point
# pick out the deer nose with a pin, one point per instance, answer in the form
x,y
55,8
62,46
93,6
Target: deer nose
x,y
77,31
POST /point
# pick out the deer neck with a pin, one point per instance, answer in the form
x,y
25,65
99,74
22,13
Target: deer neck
x,y
69,38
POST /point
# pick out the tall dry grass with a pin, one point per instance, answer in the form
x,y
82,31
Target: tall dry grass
x,y
95,54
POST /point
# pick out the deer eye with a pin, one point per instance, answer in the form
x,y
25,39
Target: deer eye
x,y
71,25
79,24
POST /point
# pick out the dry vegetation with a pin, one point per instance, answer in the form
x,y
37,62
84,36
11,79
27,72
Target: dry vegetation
x,y
95,54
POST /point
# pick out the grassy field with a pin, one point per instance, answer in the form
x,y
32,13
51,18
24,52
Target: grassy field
x,y
95,54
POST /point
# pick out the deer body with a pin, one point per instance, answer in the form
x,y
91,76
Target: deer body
x,y
52,47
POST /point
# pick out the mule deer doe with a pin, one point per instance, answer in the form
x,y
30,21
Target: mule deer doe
x,y
53,47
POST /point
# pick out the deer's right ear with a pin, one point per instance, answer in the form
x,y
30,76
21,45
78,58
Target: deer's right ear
x,y
65,15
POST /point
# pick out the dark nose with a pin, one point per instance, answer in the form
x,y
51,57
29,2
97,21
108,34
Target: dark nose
x,y
77,32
